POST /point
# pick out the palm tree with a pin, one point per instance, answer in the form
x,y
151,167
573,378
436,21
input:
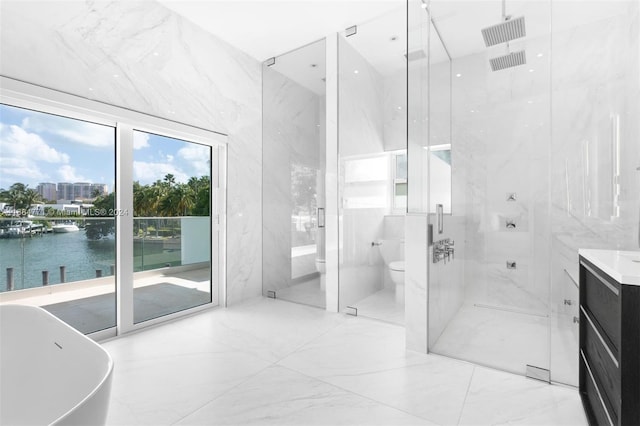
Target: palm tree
x,y
15,196
30,196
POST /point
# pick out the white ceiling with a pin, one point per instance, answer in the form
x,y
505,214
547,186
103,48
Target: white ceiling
x,y
267,28
278,28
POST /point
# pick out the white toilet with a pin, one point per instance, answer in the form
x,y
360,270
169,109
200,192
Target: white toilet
x,y
392,252
396,270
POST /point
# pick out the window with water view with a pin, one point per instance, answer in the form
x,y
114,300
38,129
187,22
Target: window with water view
x,y
57,177
59,219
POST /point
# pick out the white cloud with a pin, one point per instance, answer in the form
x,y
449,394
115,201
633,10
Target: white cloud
x,y
198,157
140,140
145,172
21,168
22,152
77,131
68,173
16,142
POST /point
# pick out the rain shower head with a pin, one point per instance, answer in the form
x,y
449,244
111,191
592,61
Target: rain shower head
x,y
512,59
415,55
508,30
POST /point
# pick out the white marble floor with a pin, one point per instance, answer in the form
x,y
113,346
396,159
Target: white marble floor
x,y
496,338
308,293
272,362
382,305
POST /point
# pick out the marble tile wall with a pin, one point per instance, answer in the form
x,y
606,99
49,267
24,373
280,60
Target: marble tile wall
x,y
590,97
291,139
415,281
500,143
395,111
165,66
361,134
393,227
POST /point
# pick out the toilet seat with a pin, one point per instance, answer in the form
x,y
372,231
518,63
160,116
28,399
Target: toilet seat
x,y
397,266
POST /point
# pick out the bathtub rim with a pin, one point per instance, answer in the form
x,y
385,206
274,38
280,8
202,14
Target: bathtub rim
x,y
106,377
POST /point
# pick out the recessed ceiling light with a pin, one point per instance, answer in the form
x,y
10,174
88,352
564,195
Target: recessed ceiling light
x,y
472,110
399,107
356,71
531,70
540,55
529,102
115,76
156,54
458,75
91,89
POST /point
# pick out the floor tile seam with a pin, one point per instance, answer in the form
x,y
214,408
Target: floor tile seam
x,y
224,393
305,343
224,346
464,402
357,394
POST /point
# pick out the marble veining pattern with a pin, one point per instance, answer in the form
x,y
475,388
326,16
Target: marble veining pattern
x,y
140,55
267,361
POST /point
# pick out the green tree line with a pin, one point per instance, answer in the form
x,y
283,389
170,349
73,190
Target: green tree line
x,y
161,199
20,197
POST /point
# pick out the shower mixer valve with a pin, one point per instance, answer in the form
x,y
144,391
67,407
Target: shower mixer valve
x,y
443,250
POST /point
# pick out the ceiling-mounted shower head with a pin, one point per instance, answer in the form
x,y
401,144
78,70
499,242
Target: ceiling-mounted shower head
x,y
508,30
512,59
415,55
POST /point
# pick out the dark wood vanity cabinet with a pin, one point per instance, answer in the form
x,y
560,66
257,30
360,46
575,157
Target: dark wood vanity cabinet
x,y
609,356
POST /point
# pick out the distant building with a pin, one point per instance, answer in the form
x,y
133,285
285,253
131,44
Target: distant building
x,y
47,191
99,189
81,190
65,191
68,192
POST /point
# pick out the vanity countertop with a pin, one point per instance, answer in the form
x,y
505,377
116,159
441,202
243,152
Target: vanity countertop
x,y
623,266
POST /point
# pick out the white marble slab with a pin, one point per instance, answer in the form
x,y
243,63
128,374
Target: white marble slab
x,y
622,266
279,396
141,56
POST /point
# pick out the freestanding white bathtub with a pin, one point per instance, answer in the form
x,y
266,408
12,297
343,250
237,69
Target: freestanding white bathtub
x,y
49,372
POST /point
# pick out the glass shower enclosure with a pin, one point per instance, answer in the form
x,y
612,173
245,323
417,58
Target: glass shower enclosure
x,y
294,168
518,157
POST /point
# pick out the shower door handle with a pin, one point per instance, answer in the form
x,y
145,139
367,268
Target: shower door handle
x,y
440,216
320,217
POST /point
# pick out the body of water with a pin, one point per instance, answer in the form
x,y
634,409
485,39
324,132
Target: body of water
x,y
31,255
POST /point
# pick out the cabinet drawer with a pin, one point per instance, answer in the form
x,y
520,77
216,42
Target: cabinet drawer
x,y
596,409
604,367
601,299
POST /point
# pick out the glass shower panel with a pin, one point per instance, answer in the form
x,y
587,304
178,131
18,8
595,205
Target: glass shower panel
x,y
294,167
596,153
489,262
372,167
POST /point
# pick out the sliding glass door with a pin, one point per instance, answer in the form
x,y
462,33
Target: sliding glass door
x,y
104,223
171,225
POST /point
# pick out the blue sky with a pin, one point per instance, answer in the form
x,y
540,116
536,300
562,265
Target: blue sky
x,y
37,147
